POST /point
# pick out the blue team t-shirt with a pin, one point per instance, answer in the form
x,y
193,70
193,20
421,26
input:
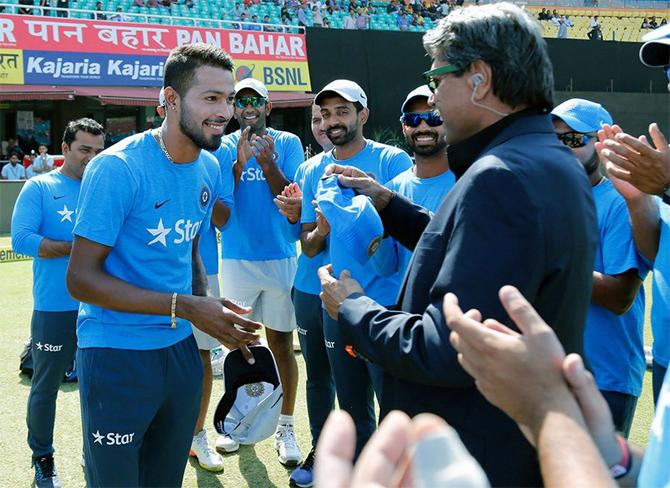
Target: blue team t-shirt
x,y
427,192
208,246
148,210
613,344
46,208
257,231
384,163
654,471
660,306
306,279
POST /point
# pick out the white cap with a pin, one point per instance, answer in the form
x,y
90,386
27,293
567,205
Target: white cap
x,y
349,90
252,84
420,92
161,98
656,49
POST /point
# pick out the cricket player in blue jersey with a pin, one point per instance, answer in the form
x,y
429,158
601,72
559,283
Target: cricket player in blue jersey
x,y
344,109
42,224
136,269
258,251
427,182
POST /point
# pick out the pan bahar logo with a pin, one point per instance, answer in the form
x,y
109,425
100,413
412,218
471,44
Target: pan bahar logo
x,y
11,67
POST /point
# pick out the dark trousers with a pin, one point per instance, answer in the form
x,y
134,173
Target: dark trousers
x,y
657,375
139,410
356,380
54,336
320,384
622,407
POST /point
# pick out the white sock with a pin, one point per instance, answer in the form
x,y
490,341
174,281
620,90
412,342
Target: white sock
x,y
286,420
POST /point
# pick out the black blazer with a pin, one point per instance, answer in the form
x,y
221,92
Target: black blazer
x,y
521,214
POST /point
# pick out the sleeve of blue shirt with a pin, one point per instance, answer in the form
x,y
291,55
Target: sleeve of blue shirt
x,y
307,213
227,183
26,220
617,247
398,163
293,156
104,202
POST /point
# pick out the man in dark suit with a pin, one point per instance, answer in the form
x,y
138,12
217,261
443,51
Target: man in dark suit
x,y
521,213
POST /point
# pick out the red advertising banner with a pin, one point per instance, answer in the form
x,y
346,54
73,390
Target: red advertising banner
x,y
275,58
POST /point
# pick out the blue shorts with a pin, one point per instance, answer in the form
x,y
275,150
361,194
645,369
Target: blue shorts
x,y
139,409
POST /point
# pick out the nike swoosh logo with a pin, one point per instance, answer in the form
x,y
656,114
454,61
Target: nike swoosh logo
x,y
159,205
58,198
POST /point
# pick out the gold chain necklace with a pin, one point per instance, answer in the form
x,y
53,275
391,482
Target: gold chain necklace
x,y
159,136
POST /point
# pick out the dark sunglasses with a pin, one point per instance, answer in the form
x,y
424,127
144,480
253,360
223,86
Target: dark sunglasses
x,y
430,77
255,102
413,119
574,139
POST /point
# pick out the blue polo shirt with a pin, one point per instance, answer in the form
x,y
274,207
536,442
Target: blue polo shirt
x,y
613,344
660,306
46,208
306,279
427,192
257,231
148,211
208,246
383,163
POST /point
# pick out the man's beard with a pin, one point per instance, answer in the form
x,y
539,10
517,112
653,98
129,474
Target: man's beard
x,y
592,164
190,129
439,145
345,138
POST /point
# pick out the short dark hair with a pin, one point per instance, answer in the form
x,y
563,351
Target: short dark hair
x,y
184,60
14,153
85,125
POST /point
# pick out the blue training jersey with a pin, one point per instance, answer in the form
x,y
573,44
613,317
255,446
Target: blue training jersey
x,y
613,344
46,208
149,211
383,163
306,279
207,245
257,231
427,192
660,305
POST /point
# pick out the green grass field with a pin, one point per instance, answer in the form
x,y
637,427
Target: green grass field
x,y
254,466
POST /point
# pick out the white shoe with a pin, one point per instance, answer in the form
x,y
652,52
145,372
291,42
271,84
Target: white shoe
x,y
286,445
83,460
226,444
208,458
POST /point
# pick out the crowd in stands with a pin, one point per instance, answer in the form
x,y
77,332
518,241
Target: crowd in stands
x,y
403,15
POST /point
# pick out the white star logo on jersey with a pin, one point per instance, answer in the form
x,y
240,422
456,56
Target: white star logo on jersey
x,y
65,214
39,346
159,233
98,437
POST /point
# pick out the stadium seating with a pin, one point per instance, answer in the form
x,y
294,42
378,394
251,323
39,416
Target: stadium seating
x,y
616,24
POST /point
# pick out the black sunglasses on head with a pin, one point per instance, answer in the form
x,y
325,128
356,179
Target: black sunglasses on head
x,y
413,119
